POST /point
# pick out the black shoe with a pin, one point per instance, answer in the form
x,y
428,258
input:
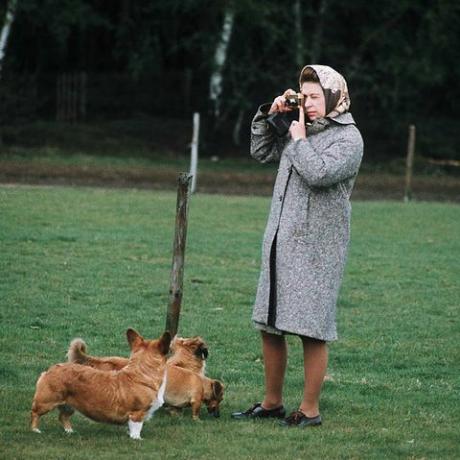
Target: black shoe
x,y
298,418
257,411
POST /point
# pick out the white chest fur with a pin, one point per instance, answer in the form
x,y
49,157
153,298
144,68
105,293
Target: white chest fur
x,y
159,401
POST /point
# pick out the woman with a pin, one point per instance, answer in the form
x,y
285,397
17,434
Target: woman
x,y
306,238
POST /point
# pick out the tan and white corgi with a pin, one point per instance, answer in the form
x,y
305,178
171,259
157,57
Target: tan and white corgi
x,y
186,384
130,395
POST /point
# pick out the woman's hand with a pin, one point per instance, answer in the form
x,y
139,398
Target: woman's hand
x,y
279,103
298,129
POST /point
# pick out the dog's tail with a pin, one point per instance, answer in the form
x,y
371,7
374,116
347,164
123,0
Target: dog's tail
x,y
77,352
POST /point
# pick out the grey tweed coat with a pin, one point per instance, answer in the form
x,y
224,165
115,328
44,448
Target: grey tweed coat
x,y
306,238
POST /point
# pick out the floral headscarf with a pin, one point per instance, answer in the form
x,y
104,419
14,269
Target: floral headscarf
x,y
334,87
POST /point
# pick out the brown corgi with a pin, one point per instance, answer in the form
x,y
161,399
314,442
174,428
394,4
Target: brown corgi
x,y
130,395
186,388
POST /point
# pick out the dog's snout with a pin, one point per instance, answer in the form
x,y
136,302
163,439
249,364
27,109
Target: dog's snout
x,y
214,411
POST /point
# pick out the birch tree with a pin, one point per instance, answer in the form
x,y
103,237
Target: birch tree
x,y
220,56
9,18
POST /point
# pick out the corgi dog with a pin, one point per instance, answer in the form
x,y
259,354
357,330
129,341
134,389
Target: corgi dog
x,y
130,395
185,388
188,353
186,384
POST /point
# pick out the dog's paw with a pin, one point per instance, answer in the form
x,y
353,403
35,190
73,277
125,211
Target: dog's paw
x,y
36,430
68,430
135,429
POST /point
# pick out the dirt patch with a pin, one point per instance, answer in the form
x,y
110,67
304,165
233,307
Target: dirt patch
x,y
368,186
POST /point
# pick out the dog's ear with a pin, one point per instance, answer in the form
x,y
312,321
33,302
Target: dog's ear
x,y
165,342
202,352
134,338
217,389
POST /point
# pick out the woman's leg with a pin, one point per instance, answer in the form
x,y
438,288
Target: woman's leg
x,y
315,354
275,358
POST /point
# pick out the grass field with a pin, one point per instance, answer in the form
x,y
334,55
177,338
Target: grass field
x,y
93,262
119,154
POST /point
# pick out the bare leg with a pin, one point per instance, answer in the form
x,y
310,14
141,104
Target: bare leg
x,y
315,354
275,359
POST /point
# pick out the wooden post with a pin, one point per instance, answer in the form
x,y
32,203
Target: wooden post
x,y
409,163
177,271
194,149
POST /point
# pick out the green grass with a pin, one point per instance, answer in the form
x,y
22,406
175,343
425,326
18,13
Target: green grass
x,y
93,262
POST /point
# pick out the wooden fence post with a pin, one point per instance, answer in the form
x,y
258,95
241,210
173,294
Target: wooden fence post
x,y
409,163
177,271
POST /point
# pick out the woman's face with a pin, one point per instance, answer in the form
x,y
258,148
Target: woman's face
x,y
314,101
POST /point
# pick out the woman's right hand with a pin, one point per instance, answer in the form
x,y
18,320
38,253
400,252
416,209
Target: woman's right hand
x,y
279,103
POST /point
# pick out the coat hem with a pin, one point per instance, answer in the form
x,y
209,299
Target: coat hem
x,y
275,331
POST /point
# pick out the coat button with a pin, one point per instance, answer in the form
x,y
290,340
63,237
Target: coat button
x,y
281,197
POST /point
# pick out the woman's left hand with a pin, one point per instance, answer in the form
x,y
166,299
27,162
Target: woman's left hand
x,y
298,129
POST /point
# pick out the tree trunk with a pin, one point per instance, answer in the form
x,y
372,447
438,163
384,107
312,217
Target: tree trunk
x,y
220,55
315,55
299,55
9,18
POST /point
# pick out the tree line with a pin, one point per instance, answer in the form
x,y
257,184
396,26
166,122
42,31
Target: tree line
x,y
224,58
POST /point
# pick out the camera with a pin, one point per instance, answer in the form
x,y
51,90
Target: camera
x,y
280,122
294,100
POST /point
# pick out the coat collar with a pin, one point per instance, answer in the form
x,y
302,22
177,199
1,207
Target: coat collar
x,y
344,119
320,124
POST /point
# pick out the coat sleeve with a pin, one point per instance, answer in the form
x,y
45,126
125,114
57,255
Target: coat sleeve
x,y
265,145
336,162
